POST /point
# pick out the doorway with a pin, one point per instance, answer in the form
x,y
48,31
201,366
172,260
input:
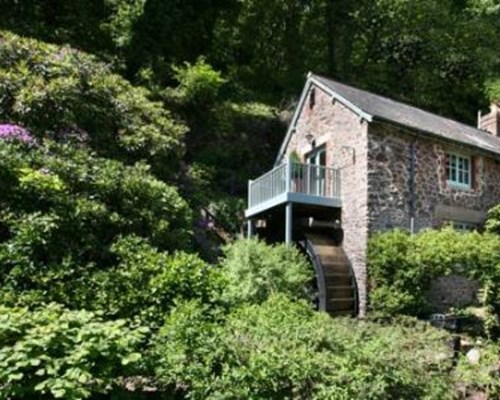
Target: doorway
x,y
316,161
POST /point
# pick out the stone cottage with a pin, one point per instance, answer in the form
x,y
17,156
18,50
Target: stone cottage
x,y
353,163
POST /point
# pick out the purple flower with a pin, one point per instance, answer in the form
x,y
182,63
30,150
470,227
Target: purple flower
x,y
15,132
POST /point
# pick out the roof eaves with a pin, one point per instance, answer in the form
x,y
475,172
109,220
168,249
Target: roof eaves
x,y
293,122
437,136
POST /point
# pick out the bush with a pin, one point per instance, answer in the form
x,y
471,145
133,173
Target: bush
x,y
402,266
62,209
483,376
56,353
254,270
493,221
15,132
283,349
146,283
199,83
64,94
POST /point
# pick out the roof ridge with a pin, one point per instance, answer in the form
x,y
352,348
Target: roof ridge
x,y
420,109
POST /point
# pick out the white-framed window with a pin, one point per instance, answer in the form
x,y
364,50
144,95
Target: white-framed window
x,y
460,226
463,226
459,170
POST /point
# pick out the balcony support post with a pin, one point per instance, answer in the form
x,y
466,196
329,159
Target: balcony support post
x,y
288,223
249,228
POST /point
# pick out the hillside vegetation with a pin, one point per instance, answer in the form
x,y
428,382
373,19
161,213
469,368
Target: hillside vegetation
x,y
121,119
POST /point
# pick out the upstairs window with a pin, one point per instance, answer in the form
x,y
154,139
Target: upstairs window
x,y
459,170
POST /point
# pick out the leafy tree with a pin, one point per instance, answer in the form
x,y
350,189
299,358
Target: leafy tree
x,y
172,32
63,208
76,22
64,94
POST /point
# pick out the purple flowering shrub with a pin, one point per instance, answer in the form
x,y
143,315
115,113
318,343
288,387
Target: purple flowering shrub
x,y
15,132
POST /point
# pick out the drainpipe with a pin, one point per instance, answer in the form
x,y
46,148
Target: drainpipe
x,y
411,184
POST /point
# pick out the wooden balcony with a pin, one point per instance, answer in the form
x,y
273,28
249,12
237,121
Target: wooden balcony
x,y
294,183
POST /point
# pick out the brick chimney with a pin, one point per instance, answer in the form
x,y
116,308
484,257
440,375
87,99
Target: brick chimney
x,y
491,122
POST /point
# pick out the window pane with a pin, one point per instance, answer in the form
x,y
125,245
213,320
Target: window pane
x,y
322,158
466,178
458,169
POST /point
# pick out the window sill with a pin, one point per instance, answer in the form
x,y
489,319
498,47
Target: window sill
x,y
459,186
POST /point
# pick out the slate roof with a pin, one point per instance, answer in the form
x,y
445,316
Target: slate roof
x,y
383,108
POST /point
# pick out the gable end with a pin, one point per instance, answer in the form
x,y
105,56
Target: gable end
x,y
312,81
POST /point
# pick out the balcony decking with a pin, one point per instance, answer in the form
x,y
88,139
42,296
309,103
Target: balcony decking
x,y
294,183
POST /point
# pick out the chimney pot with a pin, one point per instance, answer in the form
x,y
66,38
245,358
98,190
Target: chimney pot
x,y
491,122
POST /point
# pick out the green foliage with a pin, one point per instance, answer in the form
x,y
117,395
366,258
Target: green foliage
x,y
199,83
146,283
401,267
52,352
493,221
63,208
482,376
229,212
64,94
235,141
39,181
121,21
283,349
88,225
434,53
254,271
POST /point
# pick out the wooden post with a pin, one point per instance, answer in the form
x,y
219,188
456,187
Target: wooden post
x,y
288,223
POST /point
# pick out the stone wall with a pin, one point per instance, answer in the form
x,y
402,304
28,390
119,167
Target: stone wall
x,y
452,291
374,160
435,200
344,135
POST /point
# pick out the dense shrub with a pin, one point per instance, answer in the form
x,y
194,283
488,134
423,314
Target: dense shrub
x,y
52,352
401,267
254,271
15,132
63,208
483,376
283,349
199,83
493,221
146,283
63,94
